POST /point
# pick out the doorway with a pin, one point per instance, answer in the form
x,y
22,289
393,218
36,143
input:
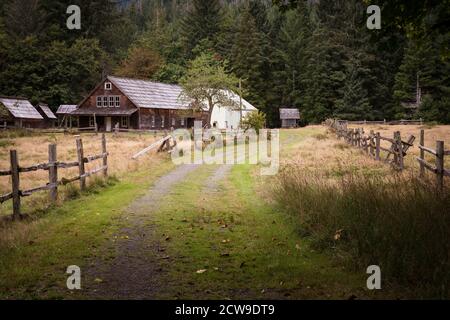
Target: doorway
x,y
108,124
190,122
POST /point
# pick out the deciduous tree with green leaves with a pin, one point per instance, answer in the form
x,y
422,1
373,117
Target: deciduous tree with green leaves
x,y
207,85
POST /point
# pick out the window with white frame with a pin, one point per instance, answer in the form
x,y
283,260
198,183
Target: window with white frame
x,y
162,121
124,122
99,101
153,121
91,122
117,101
105,101
111,101
108,86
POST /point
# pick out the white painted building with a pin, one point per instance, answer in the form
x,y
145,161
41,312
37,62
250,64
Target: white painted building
x,y
229,118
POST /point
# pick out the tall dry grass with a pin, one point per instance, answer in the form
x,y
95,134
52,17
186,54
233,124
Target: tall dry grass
x,y
432,134
396,222
365,212
33,149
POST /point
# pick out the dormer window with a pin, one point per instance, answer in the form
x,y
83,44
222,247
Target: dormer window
x,y
108,86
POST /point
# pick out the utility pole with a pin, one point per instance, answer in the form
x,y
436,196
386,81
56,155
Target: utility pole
x,y
240,102
293,88
418,92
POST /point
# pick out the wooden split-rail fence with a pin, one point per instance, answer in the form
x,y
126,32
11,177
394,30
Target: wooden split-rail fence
x,y
439,154
52,167
371,143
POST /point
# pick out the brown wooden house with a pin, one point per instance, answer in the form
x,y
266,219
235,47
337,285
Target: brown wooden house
x,y
135,104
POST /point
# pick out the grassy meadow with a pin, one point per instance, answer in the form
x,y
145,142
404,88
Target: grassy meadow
x,y
309,232
364,213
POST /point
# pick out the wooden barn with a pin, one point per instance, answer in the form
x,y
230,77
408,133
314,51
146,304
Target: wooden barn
x,y
19,112
135,104
289,117
50,119
140,104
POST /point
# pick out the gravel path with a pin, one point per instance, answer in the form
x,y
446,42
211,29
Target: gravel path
x,y
212,184
133,273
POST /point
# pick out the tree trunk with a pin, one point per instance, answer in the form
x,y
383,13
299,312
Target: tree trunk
x,y
210,111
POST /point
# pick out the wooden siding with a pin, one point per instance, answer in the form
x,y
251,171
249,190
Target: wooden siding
x,y
144,118
91,101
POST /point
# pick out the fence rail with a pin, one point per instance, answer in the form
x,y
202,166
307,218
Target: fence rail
x,y
439,154
395,122
371,143
353,137
52,167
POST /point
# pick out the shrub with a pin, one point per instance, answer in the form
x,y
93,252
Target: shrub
x,y
255,120
397,223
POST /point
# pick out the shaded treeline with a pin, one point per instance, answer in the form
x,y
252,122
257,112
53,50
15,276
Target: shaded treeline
x,y
317,56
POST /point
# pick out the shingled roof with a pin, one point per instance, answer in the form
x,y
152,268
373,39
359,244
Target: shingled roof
x,y
289,113
155,95
46,110
148,94
66,108
20,108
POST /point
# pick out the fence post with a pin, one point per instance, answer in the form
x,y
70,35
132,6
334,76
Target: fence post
x,y
358,141
440,164
422,152
53,172
371,143
15,179
377,146
105,157
399,144
80,154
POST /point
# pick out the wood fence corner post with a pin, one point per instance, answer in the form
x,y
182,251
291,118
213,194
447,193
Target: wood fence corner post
x,y
400,159
377,146
53,173
80,154
440,164
422,153
15,179
105,156
371,143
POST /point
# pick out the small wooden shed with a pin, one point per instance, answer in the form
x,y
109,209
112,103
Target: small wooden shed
x,y
289,117
48,115
64,114
19,112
